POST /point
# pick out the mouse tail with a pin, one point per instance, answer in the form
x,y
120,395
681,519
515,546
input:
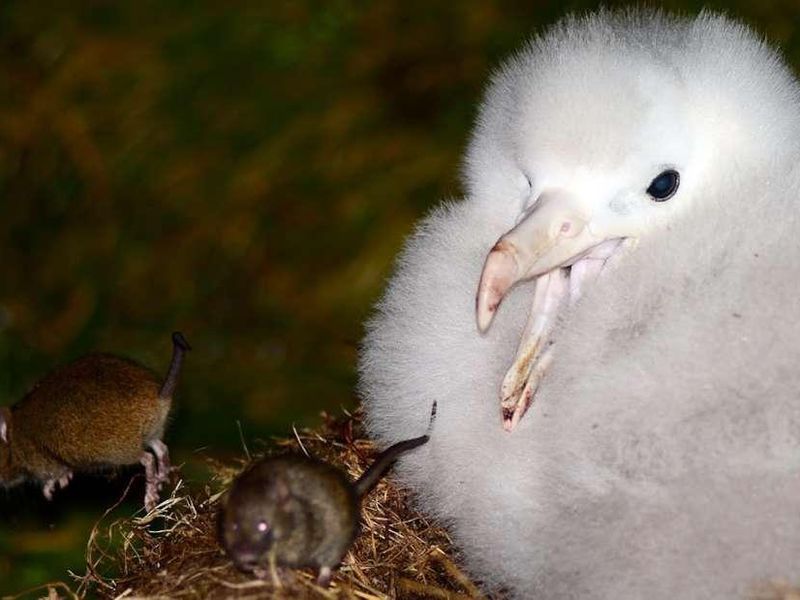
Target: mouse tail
x,y
386,458
179,348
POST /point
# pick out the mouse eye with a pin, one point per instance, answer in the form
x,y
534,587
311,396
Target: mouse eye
x,y
262,526
664,186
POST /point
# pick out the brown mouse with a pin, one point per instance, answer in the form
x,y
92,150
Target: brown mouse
x,y
100,411
296,511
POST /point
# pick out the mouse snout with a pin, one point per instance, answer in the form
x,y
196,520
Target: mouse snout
x,y
248,543
247,555
245,561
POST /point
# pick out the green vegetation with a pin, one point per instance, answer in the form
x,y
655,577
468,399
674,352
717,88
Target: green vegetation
x,y
243,172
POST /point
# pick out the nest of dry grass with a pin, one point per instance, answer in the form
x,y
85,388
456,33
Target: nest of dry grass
x,y
173,552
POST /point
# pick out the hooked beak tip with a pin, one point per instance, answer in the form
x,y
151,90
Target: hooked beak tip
x,y
498,275
484,316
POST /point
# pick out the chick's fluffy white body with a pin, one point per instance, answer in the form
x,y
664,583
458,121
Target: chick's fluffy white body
x,y
661,457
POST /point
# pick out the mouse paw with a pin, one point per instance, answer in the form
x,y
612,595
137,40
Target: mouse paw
x,y
50,486
324,576
64,480
162,467
151,481
150,498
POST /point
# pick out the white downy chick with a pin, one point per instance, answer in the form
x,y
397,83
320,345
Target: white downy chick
x,y
660,456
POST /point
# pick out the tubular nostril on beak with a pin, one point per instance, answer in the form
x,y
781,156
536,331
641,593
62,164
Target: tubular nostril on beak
x,y
569,227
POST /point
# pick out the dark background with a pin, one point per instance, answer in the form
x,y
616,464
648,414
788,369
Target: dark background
x,y
243,172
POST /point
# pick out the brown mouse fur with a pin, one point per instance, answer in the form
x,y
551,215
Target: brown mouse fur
x,y
303,510
100,411
297,511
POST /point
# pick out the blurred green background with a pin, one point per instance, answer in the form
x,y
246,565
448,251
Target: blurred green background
x,y
243,172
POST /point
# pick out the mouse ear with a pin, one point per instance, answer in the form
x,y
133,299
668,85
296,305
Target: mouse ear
x,y
5,419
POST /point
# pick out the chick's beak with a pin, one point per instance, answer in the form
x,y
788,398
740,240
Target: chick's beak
x,y
555,232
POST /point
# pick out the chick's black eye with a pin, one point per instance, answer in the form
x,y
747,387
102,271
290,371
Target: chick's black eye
x,y
664,186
